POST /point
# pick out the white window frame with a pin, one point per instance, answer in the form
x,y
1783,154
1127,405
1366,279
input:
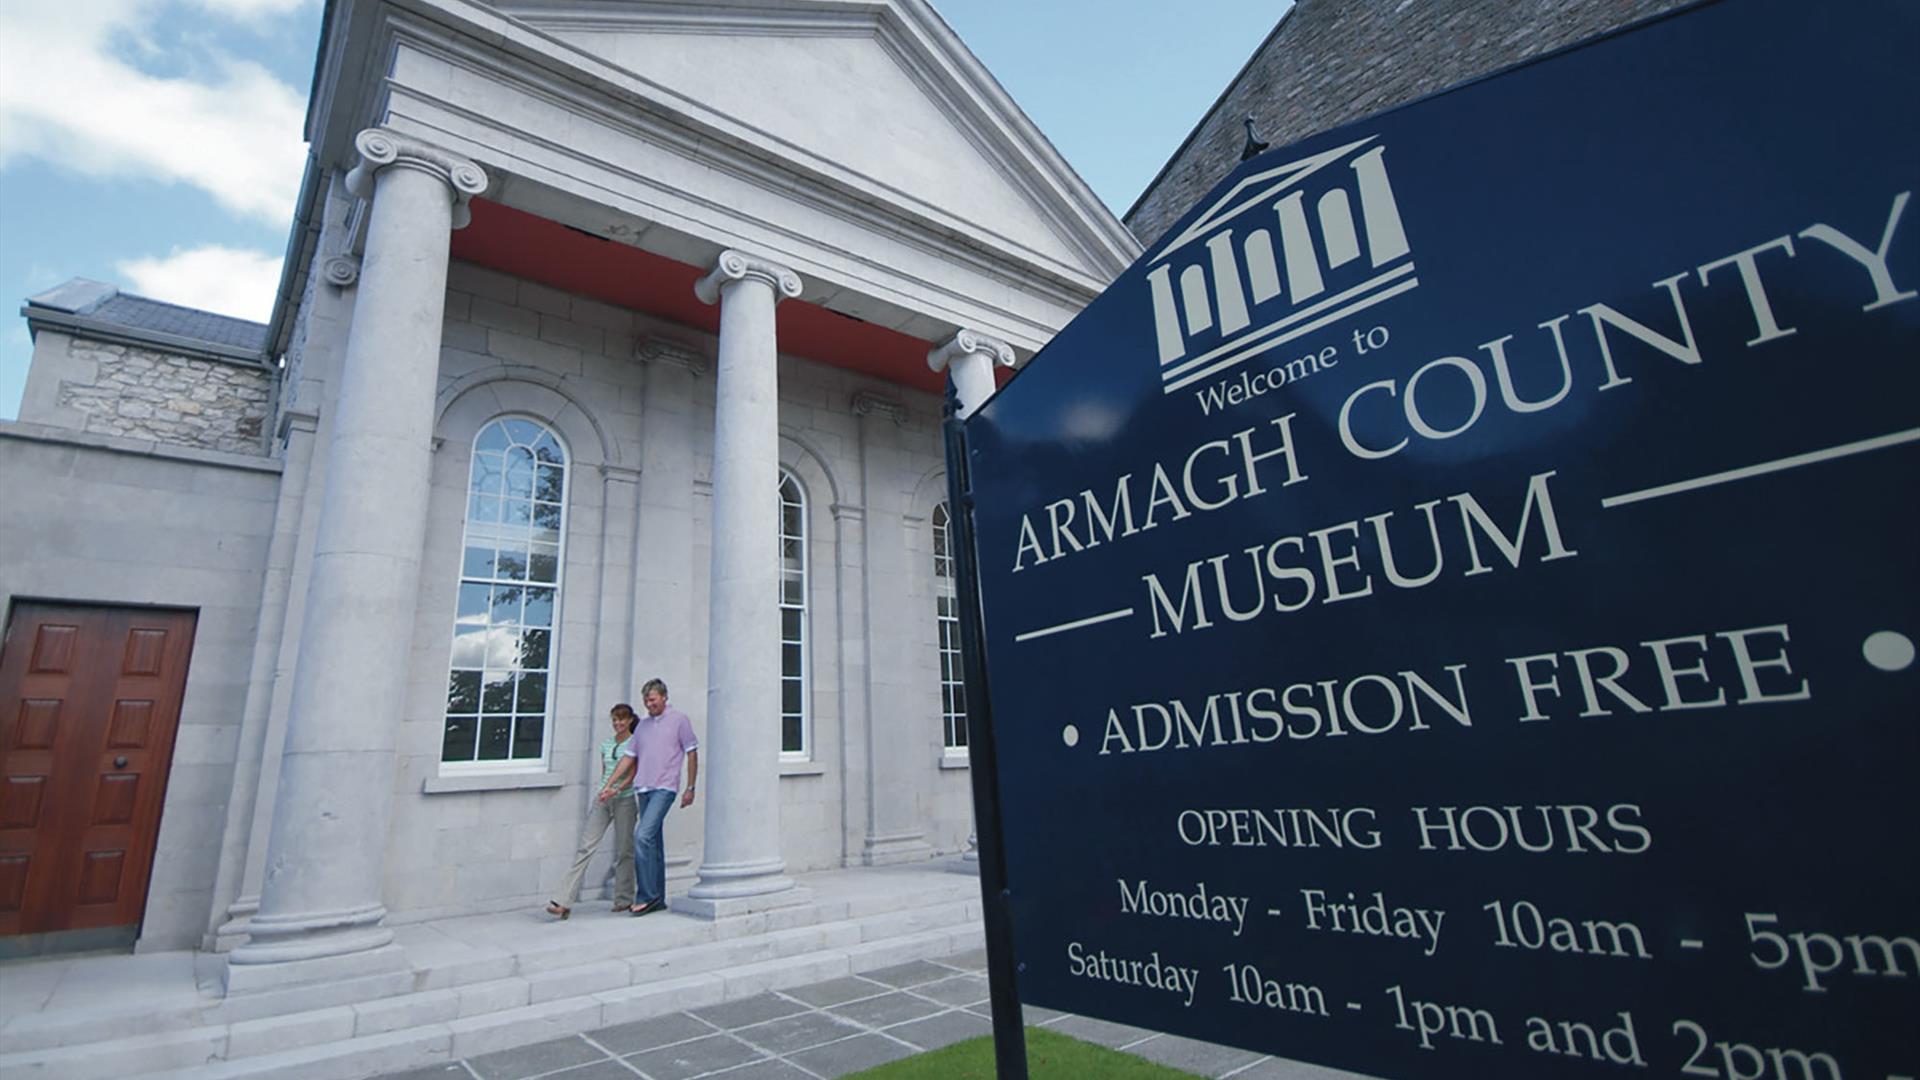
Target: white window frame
x,y
953,686
461,578
805,608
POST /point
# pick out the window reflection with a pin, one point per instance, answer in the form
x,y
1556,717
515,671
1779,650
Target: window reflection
x,y
499,691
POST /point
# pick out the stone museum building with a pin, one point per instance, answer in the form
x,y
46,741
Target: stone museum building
x,y
610,346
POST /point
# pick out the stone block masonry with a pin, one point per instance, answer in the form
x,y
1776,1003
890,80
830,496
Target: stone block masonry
x,y
1331,62
148,394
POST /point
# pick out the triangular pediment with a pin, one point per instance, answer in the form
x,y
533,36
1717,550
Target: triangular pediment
x,y
882,95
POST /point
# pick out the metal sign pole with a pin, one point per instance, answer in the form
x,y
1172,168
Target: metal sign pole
x,y
1009,1036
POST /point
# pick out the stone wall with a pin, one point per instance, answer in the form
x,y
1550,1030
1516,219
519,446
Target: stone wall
x,y
141,393
138,523
1331,62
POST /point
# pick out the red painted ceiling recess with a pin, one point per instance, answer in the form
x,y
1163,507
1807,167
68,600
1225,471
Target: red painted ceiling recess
x,y
524,245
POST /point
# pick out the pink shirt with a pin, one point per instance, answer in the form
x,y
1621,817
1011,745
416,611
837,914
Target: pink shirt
x,y
659,745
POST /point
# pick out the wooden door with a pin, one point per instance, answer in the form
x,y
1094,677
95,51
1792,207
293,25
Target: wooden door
x,y
89,703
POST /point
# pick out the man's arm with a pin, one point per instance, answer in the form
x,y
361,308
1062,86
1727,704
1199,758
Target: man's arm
x,y
620,774
693,775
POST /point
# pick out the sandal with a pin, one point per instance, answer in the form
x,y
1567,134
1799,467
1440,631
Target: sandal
x,y
558,910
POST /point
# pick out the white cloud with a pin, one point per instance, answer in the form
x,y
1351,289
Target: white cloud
x,y
231,128
212,278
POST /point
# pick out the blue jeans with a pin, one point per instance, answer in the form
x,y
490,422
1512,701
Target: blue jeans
x,y
649,852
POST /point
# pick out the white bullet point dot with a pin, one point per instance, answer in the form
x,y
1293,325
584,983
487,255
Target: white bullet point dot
x,y
1888,650
1070,735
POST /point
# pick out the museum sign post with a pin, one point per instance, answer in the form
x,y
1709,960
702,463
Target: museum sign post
x,y
1450,606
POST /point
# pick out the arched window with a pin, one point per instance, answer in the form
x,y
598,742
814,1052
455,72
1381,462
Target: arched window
x,y
500,689
953,688
794,741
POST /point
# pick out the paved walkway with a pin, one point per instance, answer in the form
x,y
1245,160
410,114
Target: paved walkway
x,y
834,1028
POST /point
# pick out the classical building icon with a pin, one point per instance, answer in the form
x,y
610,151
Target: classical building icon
x,y
1284,252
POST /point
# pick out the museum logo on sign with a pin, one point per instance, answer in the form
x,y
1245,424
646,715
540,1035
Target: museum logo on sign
x,y
1284,252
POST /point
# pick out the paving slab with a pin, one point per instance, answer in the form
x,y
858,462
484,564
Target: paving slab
x,y
535,1060
912,973
696,1058
623,1039
752,1010
852,1055
956,990
1194,1056
942,1029
791,1033
838,991
887,1009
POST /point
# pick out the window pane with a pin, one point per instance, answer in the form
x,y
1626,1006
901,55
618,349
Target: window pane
x,y
512,564
493,438
485,477
473,604
458,743
525,432
519,474
483,508
790,661
546,522
517,512
533,648
495,731
503,648
463,692
539,608
792,589
790,624
496,692
469,651
527,732
790,522
547,448
478,562
790,695
533,693
544,564
506,604
549,481
790,735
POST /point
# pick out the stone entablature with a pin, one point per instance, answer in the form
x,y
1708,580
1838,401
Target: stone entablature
x,y
148,394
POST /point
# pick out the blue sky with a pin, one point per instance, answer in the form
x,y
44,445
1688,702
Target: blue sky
x,y
155,144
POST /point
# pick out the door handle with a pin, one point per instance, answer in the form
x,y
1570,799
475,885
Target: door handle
x,y
120,762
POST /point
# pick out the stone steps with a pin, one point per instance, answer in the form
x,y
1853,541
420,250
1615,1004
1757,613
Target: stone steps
x,y
465,1002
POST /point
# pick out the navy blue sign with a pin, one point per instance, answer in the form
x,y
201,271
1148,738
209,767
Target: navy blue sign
x,y
1451,606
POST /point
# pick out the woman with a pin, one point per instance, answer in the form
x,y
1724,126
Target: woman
x,y
617,812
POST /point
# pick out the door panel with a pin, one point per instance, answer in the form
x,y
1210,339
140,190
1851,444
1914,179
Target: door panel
x,y
89,704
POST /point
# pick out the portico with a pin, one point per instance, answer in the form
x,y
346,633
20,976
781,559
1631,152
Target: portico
x,y
684,283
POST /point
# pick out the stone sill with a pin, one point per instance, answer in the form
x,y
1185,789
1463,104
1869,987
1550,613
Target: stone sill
x,y
955,761
802,768
453,785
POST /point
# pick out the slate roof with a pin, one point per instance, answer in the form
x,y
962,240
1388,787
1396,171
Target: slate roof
x,y
94,306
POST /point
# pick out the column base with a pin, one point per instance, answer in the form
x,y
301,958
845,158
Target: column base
x,y
372,973
896,849
737,888
717,908
233,933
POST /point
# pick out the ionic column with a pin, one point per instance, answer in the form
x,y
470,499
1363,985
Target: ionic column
x,y
320,899
971,355
741,868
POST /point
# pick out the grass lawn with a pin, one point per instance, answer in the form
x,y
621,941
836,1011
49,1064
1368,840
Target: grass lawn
x,y
1050,1056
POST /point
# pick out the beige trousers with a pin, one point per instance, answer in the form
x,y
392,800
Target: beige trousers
x,y
617,812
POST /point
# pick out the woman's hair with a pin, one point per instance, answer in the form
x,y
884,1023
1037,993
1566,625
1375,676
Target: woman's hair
x,y
624,711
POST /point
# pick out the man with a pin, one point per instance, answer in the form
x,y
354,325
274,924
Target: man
x,y
616,812
661,740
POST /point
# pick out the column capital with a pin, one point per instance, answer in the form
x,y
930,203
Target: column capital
x,y
737,266
968,342
341,271
658,350
867,403
381,148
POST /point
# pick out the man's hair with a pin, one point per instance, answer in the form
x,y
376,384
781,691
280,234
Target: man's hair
x,y
624,711
652,685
